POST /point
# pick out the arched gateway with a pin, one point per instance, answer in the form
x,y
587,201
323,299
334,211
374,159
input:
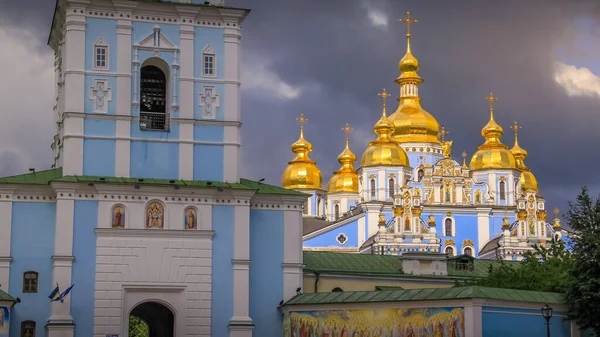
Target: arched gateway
x,y
151,319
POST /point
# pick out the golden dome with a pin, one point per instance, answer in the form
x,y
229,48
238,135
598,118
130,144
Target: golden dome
x,y
346,178
384,150
527,179
411,122
492,154
302,172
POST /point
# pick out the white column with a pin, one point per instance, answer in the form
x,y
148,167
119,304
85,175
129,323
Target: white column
x,y
372,219
62,260
75,91
473,319
186,95
186,150
232,112
123,103
241,323
483,227
5,229
292,254
381,185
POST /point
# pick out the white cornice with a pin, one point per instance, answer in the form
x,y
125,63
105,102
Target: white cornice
x,y
154,233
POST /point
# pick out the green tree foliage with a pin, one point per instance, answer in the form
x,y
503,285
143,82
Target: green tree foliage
x,y
583,291
138,327
531,273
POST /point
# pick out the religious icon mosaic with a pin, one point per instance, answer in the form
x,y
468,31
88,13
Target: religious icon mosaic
x,y
4,321
155,214
118,217
191,218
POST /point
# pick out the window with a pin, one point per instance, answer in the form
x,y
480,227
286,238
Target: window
x,y
448,227
100,55
305,207
342,238
502,190
337,211
208,62
420,175
469,251
337,290
372,187
449,251
153,93
391,187
30,282
318,206
28,329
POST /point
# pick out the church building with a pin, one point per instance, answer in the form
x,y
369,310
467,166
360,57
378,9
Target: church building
x,y
143,216
410,194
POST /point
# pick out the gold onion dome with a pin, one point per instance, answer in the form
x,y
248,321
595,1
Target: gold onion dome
x,y
492,154
301,172
384,150
346,178
527,179
412,124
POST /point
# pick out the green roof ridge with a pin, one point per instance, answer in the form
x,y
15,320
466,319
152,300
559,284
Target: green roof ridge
x,y
33,178
6,297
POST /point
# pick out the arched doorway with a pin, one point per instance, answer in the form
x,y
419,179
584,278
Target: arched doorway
x,y
151,319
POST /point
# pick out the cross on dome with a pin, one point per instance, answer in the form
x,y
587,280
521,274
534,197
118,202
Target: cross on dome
x,y
408,21
302,120
491,98
347,129
516,127
384,95
443,133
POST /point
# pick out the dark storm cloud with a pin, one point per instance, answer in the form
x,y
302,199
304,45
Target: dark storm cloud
x,y
466,49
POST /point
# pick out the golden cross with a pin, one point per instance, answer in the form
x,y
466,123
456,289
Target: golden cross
x,y
556,211
347,128
384,95
444,133
408,21
302,120
516,127
491,98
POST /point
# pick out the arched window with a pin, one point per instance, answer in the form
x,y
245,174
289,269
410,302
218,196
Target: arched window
x,y
336,209
469,251
30,282
420,174
337,290
372,187
450,251
391,187
153,93
502,190
448,227
28,329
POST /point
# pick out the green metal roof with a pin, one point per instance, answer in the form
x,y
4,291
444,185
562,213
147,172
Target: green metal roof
x,y
6,297
55,175
387,288
439,294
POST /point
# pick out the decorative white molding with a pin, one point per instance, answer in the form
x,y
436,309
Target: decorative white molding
x,y
209,51
156,233
101,42
209,100
151,140
100,95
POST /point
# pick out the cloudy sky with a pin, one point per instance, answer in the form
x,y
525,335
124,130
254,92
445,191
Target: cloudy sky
x,y
328,59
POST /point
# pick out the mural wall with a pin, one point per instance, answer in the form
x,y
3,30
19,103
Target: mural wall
x,y
4,322
403,322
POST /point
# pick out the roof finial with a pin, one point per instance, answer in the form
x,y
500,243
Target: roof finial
x,y
464,155
516,127
491,98
302,120
408,21
384,95
443,133
347,129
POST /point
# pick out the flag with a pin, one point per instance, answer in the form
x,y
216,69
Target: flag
x,y
62,296
54,293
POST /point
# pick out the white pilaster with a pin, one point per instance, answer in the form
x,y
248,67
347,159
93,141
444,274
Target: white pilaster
x,y
231,154
62,260
372,218
473,319
483,227
241,266
186,151
5,229
186,85
361,231
123,149
232,109
381,185
292,254
74,86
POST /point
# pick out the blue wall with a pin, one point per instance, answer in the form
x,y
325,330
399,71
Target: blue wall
x,y
32,246
502,322
222,270
209,133
84,267
214,38
99,157
94,29
208,162
328,239
154,160
266,273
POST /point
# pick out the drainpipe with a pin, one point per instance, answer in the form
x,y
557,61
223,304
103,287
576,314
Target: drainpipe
x,y
317,281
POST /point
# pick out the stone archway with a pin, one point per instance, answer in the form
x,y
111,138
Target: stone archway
x,y
151,319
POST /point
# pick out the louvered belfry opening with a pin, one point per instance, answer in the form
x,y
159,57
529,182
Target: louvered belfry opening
x,y
153,92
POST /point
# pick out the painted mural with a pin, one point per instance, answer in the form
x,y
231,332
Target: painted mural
x,y
155,215
191,217
118,217
4,322
403,322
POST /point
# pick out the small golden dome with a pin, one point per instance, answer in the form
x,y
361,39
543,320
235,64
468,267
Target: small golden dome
x,y
346,178
412,124
527,179
492,154
301,172
384,150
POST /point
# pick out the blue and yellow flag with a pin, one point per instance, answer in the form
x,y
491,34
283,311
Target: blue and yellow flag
x,y
54,293
62,296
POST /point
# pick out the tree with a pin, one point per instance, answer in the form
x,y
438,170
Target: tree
x,y
583,291
546,268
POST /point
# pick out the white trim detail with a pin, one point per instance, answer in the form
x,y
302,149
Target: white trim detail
x,y
101,44
100,95
209,99
444,226
209,52
451,247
